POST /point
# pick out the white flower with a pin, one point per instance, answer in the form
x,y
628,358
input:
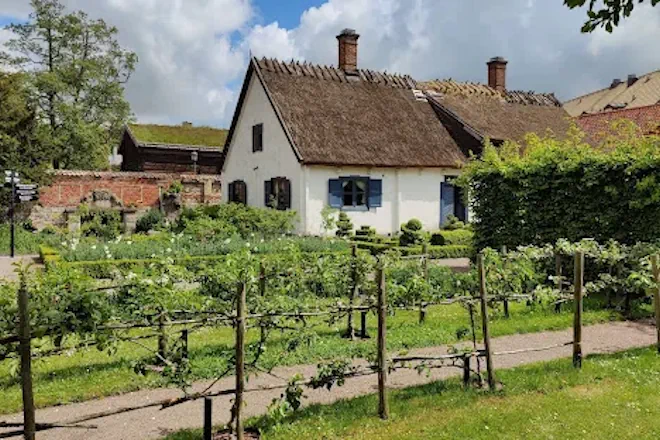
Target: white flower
x,y
172,240
153,255
129,242
247,245
93,247
227,241
168,250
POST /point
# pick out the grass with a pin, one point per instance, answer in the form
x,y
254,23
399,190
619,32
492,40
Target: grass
x,y
179,134
90,373
27,243
613,396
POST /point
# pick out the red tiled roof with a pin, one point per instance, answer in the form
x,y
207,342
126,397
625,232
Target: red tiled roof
x,y
597,125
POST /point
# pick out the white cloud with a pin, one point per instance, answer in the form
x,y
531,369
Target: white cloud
x,y
193,54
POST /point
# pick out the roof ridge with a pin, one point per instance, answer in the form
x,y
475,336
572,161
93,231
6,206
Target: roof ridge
x,y
469,88
333,73
609,87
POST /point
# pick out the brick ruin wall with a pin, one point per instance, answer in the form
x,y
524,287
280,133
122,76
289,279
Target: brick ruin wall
x,y
136,192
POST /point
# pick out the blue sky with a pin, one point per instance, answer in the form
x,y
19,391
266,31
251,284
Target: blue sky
x,y
193,53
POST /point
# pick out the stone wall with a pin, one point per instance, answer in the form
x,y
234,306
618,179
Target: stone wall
x,y
130,192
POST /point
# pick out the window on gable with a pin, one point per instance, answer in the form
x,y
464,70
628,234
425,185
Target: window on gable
x,y
238,192
277,193
355,192
257,138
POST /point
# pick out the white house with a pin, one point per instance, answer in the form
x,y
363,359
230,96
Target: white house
x,y
381,147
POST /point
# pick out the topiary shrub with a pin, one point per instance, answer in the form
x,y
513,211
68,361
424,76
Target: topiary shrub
x,y
462,237
453,223
411,233
152,220
344,225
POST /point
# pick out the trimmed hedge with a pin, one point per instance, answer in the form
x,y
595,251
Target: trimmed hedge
x,y
461,237
550,189
449,251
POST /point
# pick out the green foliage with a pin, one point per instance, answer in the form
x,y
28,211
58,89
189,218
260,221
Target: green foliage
x,y
328,219
20,146
609,15
460,237
176,187
344,225
228,219
181,134
550,189
76,70
411,233
447,251
453,223
26,242
100,222
153,219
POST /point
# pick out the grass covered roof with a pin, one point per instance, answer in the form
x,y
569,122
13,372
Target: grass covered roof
x,y
179,134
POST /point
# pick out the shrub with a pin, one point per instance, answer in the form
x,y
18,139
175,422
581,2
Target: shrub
x,y
99,222
549,189
229,219
344,225
152,220
453,223
462,237
411,233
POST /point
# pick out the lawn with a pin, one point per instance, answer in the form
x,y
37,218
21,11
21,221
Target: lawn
x,y
612,397
91,374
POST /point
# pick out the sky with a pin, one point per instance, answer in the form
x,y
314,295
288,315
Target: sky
x,y
193,53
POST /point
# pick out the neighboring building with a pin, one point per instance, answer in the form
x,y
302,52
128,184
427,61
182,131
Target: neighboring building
x,y
172,149
636,99
382,147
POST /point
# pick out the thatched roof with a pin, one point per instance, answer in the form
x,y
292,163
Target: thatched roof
x,y
499,115
378,119
370,119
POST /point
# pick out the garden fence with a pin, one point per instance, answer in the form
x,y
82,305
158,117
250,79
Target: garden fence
x,y
241,319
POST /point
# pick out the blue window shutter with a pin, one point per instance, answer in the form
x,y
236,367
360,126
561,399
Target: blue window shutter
x,y
375,193
334,193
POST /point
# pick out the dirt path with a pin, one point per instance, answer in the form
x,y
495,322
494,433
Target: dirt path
x,y
7,265
152,423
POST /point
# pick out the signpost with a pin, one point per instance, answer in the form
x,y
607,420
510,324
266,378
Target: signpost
x,y
19,193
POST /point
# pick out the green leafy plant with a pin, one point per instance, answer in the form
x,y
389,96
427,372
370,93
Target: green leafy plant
x,y
152,220
344,225
412,233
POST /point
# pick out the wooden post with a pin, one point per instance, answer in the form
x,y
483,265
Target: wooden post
x,y
656,296
240,360
558,275
577,321
484,319
262,293
208,418
184,343
505,300
466,369
425,271
383,407
162,338
350,328
24,334
363,325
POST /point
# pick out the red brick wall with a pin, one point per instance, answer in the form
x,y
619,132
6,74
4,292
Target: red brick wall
x,y
133,189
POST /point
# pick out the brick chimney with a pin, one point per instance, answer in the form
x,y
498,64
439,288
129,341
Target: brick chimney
x,y
497,73
348,47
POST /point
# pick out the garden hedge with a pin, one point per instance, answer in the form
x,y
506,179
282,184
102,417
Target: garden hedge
x,y
449,251
554,189
461,237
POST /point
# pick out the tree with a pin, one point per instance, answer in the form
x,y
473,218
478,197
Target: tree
x,y
76,71
20,147
611,12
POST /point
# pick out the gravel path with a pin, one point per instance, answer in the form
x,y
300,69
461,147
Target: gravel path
x,y
7,265
153,423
